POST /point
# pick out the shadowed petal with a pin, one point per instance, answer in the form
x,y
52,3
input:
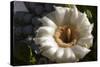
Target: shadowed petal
x,y
50,53
48,22
52,17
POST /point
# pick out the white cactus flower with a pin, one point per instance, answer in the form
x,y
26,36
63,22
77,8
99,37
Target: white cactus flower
x,y
65,35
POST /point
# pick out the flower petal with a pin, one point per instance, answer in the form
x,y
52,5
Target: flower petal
x,y
82,20
52,17
48,22
46,42
79,51
84,31
60,14
50,53
44,31
86,41
59,54
79,19
67,17
68,56
85,20
74,14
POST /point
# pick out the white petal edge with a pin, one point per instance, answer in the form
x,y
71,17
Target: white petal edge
x,y
69,55
45,31
79,51
50,53
47,22
60,14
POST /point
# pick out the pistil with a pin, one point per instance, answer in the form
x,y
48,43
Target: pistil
x,y
68,33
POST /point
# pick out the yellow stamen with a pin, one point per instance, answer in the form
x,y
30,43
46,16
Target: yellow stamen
x,y
65,37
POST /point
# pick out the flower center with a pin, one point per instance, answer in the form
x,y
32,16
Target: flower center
x,y
65,36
